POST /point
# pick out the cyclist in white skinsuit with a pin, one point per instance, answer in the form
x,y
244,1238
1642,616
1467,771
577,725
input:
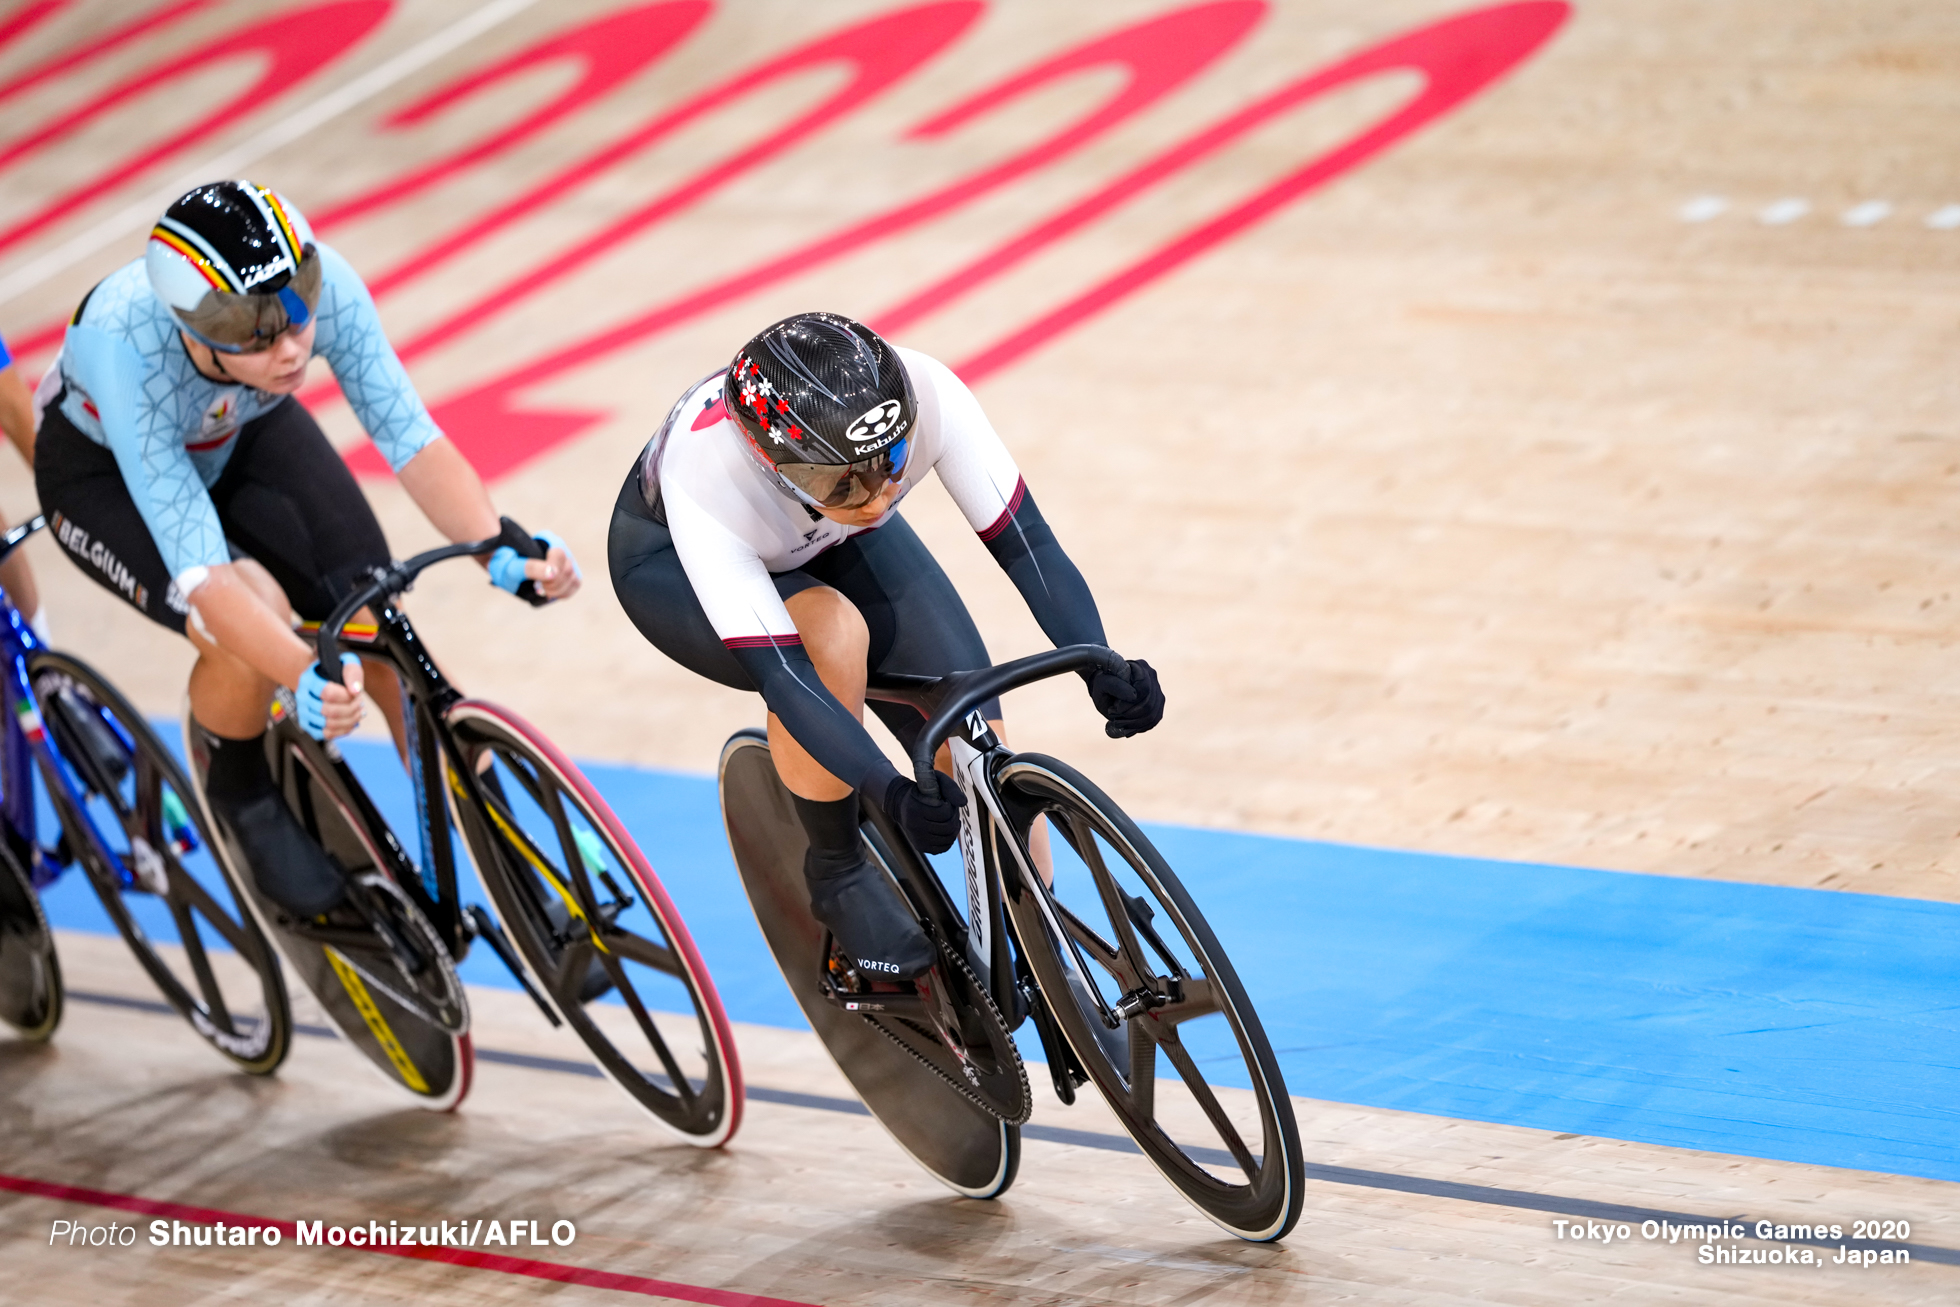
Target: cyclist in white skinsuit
x,y
757,541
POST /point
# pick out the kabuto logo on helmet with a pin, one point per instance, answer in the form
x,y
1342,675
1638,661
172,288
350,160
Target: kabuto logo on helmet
x,y
875,428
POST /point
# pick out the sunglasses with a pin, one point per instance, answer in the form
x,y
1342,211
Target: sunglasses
x,y
847,485
252,323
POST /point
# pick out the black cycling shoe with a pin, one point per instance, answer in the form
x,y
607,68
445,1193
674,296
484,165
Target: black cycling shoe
x,y
873,925
288,867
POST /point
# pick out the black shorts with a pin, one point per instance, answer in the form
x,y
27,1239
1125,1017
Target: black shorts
x,y
917,622
286,499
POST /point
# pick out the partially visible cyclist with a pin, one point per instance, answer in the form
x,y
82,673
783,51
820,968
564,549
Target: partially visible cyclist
x,y
179,472
757,542
17,422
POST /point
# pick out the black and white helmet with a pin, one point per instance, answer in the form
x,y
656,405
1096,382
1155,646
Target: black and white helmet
x,y
826,404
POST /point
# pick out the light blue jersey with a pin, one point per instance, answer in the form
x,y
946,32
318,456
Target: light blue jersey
x,y
131,388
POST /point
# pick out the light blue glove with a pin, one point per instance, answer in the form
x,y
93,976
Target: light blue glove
x,y
507,566
312,709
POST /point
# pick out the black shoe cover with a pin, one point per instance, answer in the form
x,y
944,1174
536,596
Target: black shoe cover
x,y
287,866
872,922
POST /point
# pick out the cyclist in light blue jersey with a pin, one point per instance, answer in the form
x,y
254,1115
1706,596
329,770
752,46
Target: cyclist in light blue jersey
x,y
180,473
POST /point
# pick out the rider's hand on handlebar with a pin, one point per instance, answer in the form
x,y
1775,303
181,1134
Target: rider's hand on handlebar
x,y
328,711
1132,702
932,824
555,576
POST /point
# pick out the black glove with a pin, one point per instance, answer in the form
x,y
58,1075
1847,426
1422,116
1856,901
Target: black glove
x,y
1133,702
931,824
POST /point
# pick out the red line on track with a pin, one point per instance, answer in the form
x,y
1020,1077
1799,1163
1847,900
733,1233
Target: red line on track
x,y
639,1284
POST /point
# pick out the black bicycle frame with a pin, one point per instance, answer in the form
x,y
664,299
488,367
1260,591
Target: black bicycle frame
x,y
427,697
951,705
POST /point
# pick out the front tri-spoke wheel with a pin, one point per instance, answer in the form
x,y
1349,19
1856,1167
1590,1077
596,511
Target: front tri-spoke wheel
x,y
595,927
135,824
1151,1006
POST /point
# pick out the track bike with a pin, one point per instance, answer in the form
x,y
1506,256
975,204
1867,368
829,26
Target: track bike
x,y
1109,960
129,818
580,918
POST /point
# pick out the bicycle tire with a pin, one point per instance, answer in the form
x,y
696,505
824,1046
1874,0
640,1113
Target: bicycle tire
x,y
72,699
30,972
432,1065
696,1093
1266,1206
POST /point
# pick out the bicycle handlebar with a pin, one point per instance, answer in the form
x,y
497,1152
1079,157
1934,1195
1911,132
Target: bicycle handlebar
x,y
964,691
397,577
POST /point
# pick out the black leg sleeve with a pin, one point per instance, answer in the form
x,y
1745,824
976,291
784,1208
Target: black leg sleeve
x,y
836,739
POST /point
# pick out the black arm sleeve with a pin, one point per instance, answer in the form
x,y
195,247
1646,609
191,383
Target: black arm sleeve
x,y
837,740
1024,545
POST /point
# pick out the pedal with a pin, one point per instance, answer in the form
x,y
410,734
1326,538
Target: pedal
x,y
840,985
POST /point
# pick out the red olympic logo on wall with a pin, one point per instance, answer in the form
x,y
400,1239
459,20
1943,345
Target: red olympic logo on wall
x,y
1453,59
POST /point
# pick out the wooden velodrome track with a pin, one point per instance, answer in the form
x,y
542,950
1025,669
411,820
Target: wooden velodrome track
x,y
1528,483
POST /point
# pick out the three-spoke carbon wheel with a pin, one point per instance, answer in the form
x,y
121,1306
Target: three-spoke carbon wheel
x,y
30,974
1151,1006
175,904
595,927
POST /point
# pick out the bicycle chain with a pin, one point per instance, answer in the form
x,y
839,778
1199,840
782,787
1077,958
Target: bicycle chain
x,y
991,1012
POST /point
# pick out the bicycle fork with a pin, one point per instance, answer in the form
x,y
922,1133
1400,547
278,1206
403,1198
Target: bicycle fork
x,y
989,867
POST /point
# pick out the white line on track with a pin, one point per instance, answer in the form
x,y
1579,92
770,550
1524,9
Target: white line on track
x,y
1945,218
1868,214
141,213
1783,211
1703,207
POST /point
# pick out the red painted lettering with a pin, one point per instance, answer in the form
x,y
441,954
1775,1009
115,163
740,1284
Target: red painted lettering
x,y
1457,57
34,13
609,50
293,45
1157,55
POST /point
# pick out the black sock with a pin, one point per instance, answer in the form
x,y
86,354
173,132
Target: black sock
x,y
238,769
833,830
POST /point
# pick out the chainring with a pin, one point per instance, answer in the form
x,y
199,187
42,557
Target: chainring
x,y
1012,1111
446,1008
